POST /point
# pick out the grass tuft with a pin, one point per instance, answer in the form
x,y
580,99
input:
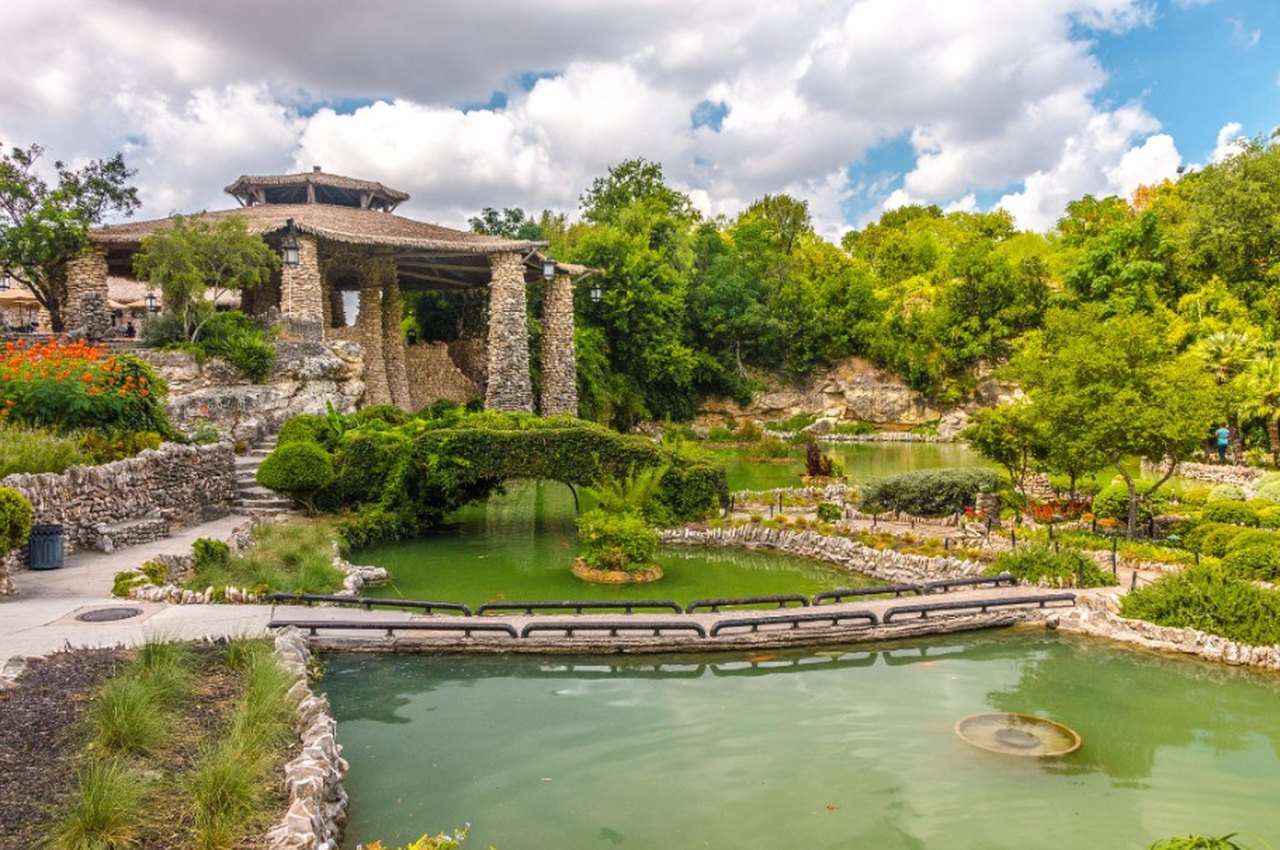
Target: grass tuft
x,y
126,717
105,813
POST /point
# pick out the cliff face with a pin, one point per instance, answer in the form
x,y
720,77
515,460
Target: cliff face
x,y
306,376
854,390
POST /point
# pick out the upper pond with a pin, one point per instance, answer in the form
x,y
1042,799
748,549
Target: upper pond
x,y
844,748
861,461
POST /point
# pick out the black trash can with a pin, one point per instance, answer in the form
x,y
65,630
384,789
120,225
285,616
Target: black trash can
x,y
44,547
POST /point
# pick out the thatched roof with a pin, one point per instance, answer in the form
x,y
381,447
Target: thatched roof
x,y
315,186
336,223
130,293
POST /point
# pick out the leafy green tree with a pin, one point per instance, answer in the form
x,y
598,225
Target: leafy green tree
x,y
193,258
630,182
1225,354
1013,437
511,223
1110,389
1260,396
42,227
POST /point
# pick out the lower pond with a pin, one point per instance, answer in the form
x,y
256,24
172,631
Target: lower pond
x,y
842,748
520,545
861,461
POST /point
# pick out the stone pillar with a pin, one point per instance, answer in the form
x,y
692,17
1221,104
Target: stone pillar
x,y
392,343
84,301
302,293
369,327
559,359
510,387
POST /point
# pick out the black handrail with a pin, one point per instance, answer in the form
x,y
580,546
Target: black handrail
x,y
614,626
578,606
466,626
834,596
943,585
714,605
794,620
925,608
370,602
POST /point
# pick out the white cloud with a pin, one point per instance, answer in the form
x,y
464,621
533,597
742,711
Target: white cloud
x,y
1228,141
991,93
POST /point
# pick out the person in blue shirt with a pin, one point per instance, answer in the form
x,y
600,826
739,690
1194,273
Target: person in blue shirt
x,y
1224,439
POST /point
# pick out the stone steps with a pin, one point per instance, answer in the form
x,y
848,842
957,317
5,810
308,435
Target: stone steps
x,y
252,499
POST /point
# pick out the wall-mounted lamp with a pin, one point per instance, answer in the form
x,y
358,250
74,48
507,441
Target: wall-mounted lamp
x,y
4,281
289,250
153,304
549,267
595,291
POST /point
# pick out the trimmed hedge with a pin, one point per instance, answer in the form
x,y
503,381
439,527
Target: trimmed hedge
x,y
617,541
1258,561
300,468
1113,502
1235,513
1226,492
928,492
401,478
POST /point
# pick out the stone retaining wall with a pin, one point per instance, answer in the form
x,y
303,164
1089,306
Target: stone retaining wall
x,y
433,376
1224,473
884,564
317,797
180,484
1097,615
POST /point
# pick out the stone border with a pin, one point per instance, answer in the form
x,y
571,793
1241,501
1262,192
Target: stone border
x,y
1217,473
883,564
1097,615
317,797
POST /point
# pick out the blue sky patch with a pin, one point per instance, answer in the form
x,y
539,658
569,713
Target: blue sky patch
x,y
708,113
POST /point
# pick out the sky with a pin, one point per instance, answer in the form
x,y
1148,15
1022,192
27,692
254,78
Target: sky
x,y
855,106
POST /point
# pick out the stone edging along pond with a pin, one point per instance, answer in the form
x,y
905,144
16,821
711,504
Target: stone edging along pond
x,y
317,797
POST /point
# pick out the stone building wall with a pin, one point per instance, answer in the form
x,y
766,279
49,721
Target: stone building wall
x,y
471,356
179,484
510,385
301,293
85,299
432,375
559,360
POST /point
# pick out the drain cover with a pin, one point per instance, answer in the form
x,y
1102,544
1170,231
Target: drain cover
x,y
107,615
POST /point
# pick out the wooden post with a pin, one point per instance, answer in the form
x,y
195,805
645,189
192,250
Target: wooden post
x,y
1114,542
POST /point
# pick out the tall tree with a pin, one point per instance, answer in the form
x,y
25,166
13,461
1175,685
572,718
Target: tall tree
x,y
1112,389
42,227
630,182
1260,396
511,223
195,261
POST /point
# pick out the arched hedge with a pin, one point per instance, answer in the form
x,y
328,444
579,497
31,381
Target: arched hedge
x,y
400,477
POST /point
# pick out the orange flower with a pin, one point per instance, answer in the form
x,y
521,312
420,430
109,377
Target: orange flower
x,y
144,393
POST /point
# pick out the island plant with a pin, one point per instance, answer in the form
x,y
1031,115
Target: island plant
x,y
619,537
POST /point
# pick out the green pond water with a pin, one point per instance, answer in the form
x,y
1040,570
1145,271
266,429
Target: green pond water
x,y
862,462
841,749
520,544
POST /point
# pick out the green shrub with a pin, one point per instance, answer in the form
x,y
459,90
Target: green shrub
x,y
15,519
1215,541
295,557
1226,492
1192,533
1269,517
930,492
441,408
769,448
204,433
1208,599
828,512
126,717
853,428
749,432
616,541
1252,537
300,469
387,414
1199,842
1112,502
1193,495
1270,490
33,450
99,446
1269,478
1259,561
1039,564
721,434
125,581
793,423
310,428
210,554
240,341
1235,513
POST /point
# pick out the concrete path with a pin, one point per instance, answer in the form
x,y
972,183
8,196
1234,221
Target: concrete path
x,y
41,617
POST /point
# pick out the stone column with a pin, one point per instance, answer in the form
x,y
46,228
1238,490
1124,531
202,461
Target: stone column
x,y
84,302
510,387
369,333
302,293
392,343
559,359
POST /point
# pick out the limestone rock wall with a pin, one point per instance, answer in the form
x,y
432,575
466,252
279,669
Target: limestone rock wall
x,y
307,375
510,384
853,390
84,302
174,483
1245,476
432,375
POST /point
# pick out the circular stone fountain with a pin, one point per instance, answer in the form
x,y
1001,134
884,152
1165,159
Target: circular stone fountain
x,y
1018,734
